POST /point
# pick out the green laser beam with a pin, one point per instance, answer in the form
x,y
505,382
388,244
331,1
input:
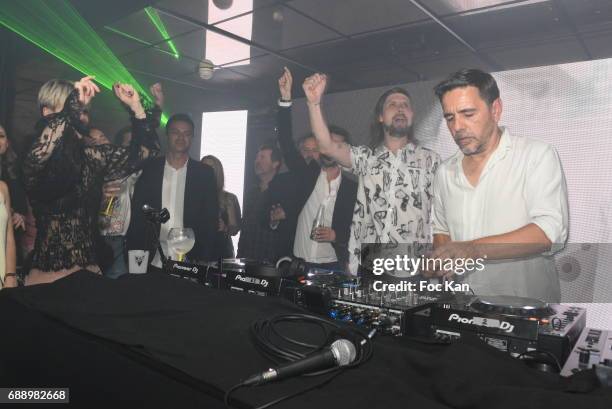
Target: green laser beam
x,y
138,40
56,27
161,27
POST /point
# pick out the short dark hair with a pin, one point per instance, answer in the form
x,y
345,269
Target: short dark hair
x,y
377,133
487,87
337,130
276,155
180,118
303,138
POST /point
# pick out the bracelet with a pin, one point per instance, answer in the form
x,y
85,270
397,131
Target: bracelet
x,y
285,104
10,275
141,112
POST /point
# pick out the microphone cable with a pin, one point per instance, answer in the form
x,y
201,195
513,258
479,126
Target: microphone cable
x,y
268,339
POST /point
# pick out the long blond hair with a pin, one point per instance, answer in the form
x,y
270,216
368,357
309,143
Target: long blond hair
x,y
217,168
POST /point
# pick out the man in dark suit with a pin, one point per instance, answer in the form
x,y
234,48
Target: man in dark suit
x,y
185,187
319,187
257,241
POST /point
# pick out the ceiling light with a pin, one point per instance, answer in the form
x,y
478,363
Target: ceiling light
x,y
223,4
206,69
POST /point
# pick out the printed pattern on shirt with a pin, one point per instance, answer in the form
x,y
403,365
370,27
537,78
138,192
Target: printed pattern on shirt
x,y
394,197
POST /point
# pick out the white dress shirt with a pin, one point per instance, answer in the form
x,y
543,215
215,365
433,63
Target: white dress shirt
x,y
521,183
173,199
325,192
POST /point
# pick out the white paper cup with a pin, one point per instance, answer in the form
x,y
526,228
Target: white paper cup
x,y
138,261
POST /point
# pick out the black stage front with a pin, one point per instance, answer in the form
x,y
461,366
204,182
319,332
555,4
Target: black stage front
x,y
158,341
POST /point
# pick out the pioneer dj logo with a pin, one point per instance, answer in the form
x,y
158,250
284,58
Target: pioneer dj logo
x,y
252,280
185,268
483,322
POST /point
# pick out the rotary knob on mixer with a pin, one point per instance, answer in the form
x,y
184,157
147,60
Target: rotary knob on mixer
x,y
584,356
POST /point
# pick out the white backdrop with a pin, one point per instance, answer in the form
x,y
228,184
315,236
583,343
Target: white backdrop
x,y
224,136
569,106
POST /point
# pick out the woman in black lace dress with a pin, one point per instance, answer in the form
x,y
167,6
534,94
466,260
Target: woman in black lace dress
x,y
62,171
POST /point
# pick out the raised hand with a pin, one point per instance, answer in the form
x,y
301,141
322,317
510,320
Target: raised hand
x,y
129,96
284,84
111,189
314,88
158,94
87,89
126,94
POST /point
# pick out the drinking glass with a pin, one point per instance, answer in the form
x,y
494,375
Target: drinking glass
x,y
181,240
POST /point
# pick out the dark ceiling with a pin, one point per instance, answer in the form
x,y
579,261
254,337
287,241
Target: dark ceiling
x,y
359,43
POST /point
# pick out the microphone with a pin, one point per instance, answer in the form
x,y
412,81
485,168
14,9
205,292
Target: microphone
x,y
154,215
148,209
340,353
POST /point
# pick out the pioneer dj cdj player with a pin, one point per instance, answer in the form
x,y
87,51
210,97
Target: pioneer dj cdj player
x,y
513,324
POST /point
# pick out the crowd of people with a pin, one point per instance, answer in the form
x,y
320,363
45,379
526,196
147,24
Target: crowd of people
x,y
86,192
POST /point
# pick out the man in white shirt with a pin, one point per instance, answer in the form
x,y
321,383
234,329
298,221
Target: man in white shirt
x,y
395,173
501,197
184,186
319,190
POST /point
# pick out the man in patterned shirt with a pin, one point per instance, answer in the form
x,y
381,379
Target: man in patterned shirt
x,y
394,197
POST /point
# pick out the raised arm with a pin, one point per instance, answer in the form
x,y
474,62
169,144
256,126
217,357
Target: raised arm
x,y
294,161
314,87
116,162
155,112
51,129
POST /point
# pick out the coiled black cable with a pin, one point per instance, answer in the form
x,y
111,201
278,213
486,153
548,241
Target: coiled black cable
x,y
280,348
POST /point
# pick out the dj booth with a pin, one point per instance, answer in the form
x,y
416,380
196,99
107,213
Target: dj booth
x,y
154,340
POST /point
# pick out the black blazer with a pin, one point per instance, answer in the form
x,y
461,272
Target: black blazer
x,y
295,190
201,207
281,190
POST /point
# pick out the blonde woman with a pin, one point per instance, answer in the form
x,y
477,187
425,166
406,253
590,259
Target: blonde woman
x,y
229,210
8,276
62,172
